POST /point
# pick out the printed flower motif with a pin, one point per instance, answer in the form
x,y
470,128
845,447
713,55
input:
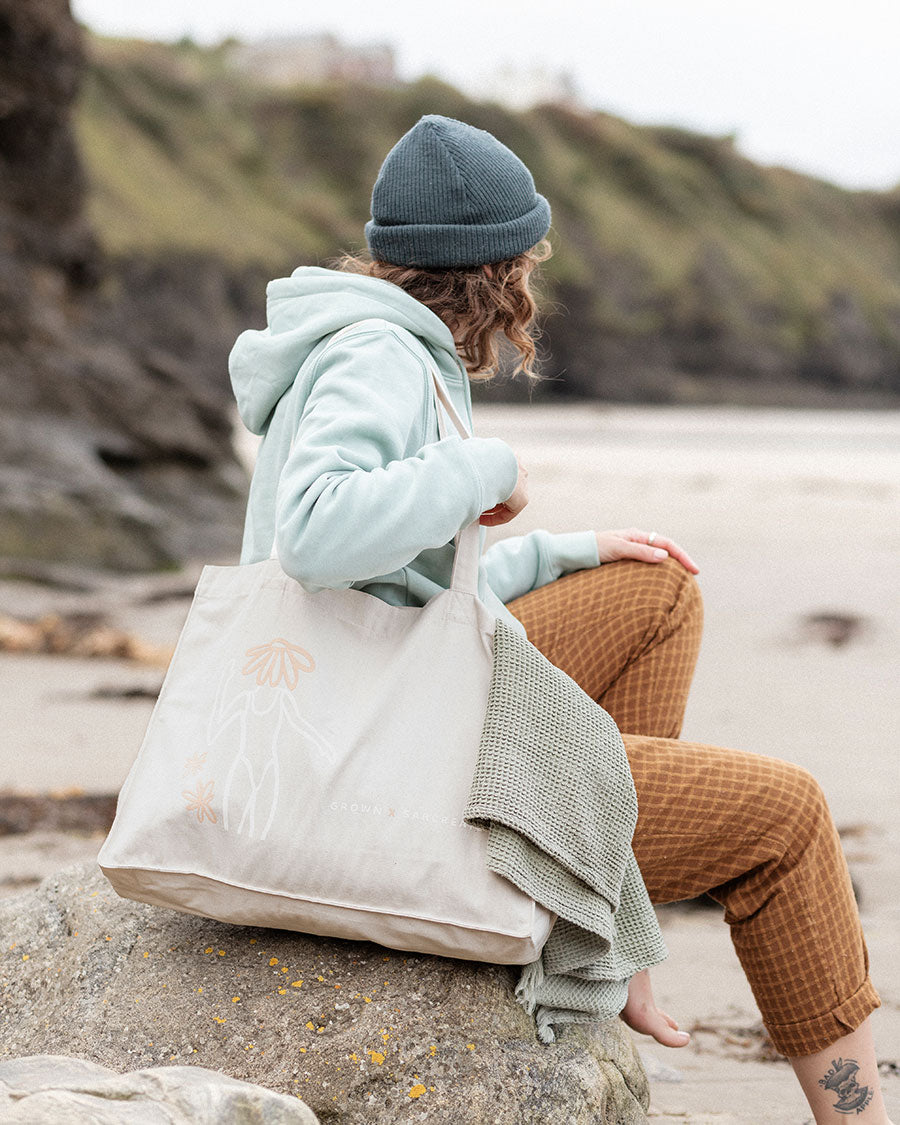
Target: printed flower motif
x,y
198,801
276,661
195,764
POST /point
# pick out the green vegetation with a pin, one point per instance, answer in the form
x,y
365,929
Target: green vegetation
x,y
674,254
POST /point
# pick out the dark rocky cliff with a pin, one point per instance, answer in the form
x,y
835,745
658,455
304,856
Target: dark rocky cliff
x,y
114,449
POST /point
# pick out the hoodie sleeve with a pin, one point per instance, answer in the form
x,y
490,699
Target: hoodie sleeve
x,y
354,499
519,564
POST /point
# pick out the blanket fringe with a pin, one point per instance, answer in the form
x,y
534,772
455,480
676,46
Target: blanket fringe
x,y
545,1032
530,980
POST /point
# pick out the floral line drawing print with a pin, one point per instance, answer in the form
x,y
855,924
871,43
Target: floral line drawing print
x,y
259,716
195,764
198,801
278,661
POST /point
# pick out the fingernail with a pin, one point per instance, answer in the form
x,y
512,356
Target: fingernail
x,y
659,553
683,1036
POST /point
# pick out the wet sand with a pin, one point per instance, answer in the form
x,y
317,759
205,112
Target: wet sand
x,y
793,520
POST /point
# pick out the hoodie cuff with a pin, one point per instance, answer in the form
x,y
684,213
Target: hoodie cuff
x,y
496,467
575,550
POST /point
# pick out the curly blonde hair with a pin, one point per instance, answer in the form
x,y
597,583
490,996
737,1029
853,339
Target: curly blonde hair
x,y
475,304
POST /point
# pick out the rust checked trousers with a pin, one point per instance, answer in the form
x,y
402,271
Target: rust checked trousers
x,y
752,831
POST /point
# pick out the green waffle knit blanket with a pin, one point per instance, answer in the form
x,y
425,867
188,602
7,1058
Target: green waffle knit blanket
x,y
553,787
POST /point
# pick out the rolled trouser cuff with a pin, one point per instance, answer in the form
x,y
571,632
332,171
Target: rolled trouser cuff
x,y
808,1036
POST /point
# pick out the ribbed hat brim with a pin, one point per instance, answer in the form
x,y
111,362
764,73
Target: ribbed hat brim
x,y
437,246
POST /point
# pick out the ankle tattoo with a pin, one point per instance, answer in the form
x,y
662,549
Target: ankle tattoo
x,y
841,1080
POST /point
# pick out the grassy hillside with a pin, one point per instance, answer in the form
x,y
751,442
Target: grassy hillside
x,y
681,269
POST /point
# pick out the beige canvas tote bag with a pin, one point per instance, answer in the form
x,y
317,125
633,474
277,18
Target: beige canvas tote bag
x,y
308,761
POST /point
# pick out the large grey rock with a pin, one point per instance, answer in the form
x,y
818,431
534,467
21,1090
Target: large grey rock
x,y
48,1089
361,1033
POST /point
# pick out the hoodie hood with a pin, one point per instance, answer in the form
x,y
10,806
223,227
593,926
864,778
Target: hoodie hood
x,y
304,309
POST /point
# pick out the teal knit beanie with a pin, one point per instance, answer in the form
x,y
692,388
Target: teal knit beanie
x,y
451,195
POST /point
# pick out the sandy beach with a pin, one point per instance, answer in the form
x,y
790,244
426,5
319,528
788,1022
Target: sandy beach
x,y
793,520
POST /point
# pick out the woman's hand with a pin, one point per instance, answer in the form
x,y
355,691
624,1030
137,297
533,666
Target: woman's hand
x,y
510,508
635,544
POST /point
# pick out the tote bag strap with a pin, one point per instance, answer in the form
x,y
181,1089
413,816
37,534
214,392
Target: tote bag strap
x,y
464,576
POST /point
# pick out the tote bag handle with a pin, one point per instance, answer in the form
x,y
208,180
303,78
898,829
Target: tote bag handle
x,y
464,576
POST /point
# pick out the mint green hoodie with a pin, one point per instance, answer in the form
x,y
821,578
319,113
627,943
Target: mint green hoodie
x,y
369,496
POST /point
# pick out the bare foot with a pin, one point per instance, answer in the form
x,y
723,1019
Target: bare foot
x,y
641,1014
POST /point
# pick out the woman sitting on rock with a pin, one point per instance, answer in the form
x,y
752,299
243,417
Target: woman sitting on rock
x,y
369,496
